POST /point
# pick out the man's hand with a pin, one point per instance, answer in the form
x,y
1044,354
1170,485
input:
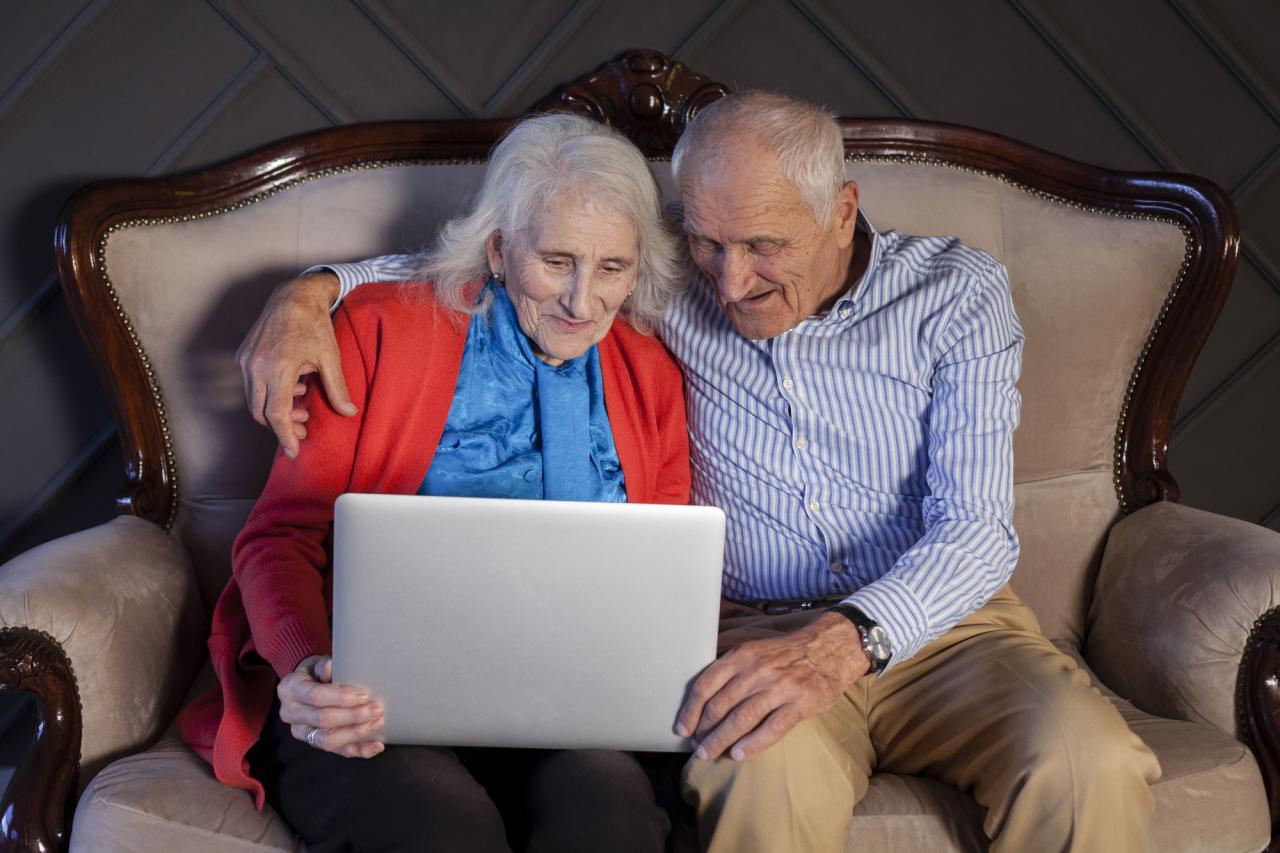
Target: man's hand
x,y
748,699
293,337
338,719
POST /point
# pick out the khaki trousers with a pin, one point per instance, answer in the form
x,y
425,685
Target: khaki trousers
x,y
990,707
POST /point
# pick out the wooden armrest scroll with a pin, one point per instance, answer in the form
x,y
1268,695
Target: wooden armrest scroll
x,y
1258,703
36,807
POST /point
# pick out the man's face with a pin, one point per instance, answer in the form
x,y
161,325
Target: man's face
x,y
754,237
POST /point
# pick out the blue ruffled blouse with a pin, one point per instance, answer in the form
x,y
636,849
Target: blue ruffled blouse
x,y
521,428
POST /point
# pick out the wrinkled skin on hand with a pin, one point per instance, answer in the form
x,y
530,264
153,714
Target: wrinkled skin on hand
x,y
349,723
750,697
293,337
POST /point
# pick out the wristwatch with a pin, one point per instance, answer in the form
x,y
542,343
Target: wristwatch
x,y
875,640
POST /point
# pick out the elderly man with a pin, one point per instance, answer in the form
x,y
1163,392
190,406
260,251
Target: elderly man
x,y
851,400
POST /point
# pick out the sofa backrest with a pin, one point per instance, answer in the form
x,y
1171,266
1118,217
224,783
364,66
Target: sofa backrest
x,y
1088,286
1117,280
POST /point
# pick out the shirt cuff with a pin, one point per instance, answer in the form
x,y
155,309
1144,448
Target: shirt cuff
x,y
350,276
893,606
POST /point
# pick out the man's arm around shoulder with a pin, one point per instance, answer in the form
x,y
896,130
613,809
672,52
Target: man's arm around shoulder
x,y
294,337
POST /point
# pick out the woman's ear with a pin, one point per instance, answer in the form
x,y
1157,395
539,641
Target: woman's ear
x,y
493,249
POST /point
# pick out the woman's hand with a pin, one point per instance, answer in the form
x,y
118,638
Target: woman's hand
x,y
344,719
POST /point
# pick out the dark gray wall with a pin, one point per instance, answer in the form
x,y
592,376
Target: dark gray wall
x,y
98,89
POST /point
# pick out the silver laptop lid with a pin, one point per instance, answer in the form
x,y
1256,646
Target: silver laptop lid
x,y
549,624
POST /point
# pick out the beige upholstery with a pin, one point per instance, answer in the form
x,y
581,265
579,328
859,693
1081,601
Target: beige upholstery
x,y
192,287
1209,799
166,799
1084,332
1177,654
1087,287
134,643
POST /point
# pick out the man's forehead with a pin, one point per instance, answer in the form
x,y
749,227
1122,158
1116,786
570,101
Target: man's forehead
x,y
741,175
735,159
746,207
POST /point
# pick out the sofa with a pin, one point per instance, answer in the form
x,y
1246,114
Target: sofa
x,y
1117,279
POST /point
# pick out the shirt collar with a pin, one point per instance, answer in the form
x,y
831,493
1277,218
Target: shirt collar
x,y
845,310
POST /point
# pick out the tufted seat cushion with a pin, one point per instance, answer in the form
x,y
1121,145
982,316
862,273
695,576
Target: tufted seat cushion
x,y
166,799
1203,769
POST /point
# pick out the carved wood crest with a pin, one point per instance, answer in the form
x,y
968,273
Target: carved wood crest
x,y
645,94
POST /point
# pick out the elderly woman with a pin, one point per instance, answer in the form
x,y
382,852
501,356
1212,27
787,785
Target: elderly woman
x,y
508,373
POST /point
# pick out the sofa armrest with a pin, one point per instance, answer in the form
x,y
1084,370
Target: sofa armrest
x,y
1174,608
111,614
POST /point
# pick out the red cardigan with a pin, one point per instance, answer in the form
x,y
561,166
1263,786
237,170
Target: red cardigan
x,y
401,354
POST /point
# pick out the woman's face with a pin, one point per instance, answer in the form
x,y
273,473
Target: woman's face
x,y
568,275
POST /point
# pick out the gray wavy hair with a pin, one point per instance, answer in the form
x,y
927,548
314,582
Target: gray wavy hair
x,y
806,138
536,163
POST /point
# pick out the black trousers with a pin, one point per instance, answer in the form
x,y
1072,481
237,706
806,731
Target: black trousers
x,y
473,800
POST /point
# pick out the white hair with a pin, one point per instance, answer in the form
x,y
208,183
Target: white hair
x,y
539,161
805,137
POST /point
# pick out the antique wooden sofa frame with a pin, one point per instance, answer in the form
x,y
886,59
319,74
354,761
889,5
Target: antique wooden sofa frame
x,y
650,98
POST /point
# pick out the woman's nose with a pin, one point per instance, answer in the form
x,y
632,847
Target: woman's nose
x,y
577,300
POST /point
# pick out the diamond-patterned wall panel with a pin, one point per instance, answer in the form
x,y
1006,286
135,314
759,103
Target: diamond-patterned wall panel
x,y
1168,79
57,408
28,31
1261,205
998,77
607,30
1248,322
771,44
483,43
113,100
1247,31
345,60
1228,450
93,88
266,103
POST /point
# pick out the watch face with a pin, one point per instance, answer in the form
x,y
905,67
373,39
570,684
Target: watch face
x,y
878,643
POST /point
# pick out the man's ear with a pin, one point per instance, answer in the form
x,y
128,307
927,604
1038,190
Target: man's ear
x,y
845,217
493,249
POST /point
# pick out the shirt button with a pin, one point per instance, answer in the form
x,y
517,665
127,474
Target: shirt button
x,y
845,310
814,505
801,443
838,567
787,384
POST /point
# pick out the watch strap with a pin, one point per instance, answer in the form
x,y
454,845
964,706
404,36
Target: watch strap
x,y
864,624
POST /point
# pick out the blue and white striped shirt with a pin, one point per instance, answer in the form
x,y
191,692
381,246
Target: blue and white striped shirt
x,y
866,451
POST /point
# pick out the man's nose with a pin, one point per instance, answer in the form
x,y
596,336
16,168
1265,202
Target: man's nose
x,y
737,275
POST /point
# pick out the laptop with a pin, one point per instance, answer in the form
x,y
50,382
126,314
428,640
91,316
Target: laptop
x,y
517,623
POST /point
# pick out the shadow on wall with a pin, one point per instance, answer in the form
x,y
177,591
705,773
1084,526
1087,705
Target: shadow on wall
x,y
60,424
